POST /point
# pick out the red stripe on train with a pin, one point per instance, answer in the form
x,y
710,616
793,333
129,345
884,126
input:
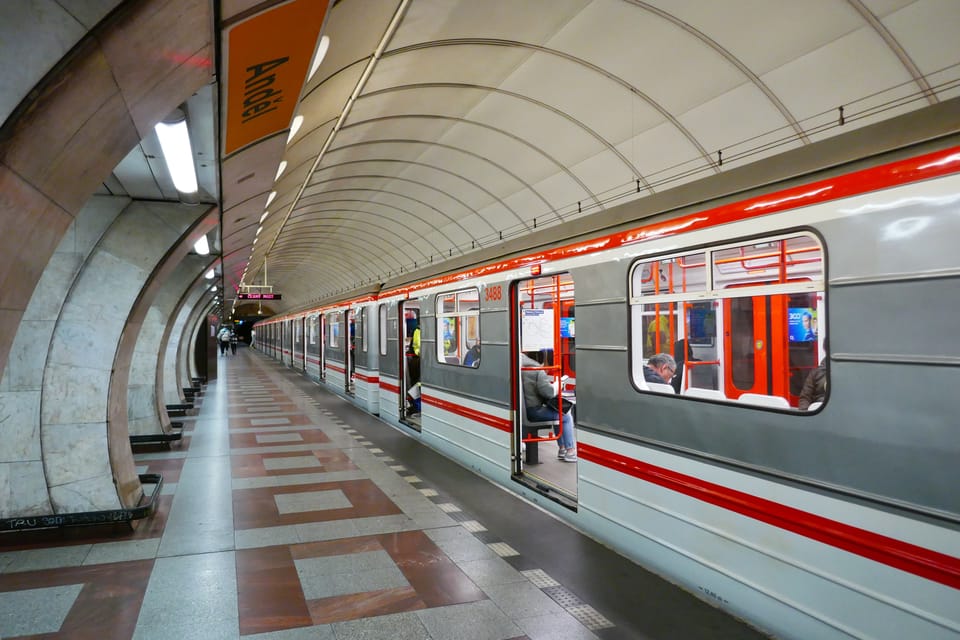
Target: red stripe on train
x,y
336,368
472,414
911,558
389,387
367,379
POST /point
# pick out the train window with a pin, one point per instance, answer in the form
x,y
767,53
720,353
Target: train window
x,y
382,324
364,328
335,319
740,321
458,328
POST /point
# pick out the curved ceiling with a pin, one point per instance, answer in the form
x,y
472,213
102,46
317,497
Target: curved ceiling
x,y
433,128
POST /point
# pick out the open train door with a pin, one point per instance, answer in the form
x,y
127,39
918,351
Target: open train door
x,y
542,339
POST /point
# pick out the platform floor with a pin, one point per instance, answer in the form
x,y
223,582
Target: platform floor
x,y
288,513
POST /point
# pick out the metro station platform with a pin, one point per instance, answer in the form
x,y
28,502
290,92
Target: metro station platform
x,y
288,513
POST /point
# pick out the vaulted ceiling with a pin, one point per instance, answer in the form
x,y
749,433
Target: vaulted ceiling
x,y
434,128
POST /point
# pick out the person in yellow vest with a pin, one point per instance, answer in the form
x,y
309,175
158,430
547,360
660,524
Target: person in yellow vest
x,y
415,341
661,325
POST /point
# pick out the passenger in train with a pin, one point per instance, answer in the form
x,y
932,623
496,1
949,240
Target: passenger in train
x,y
660,368
682,353
538,388
472,358
659,325
814,387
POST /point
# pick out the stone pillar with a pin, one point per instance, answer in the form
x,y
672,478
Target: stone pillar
x,y
145,414
23,482
176,353
87,459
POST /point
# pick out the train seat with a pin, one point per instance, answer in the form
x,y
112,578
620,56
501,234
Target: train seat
x,y
706,394
759,399
660,387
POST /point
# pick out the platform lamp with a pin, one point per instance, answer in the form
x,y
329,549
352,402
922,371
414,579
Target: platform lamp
x,y
178,154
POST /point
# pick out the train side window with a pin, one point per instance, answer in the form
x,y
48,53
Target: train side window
x,y
335,319
458,328
742,321
383,329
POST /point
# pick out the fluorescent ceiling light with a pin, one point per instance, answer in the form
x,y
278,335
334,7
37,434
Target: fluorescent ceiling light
x,y
259,229
255,241
264,216
202,247
280,169
273,194
209,275
297,123
320,54
213,288
175,143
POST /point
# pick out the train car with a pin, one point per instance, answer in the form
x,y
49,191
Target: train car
x,y
683,349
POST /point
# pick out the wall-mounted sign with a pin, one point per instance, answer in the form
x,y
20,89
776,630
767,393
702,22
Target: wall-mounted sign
x,y
268,56
259,296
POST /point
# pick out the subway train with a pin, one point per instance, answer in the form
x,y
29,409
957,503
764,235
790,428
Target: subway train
x,y
836,518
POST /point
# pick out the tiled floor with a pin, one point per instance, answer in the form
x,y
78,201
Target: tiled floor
x,y
289,514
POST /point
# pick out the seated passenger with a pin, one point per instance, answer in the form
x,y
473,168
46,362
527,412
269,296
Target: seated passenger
x,y
472,359
814,387
660,368
537,389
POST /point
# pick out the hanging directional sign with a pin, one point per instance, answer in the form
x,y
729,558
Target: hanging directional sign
x,y
259,296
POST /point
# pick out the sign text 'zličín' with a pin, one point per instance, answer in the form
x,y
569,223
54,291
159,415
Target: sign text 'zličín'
x,y
258,296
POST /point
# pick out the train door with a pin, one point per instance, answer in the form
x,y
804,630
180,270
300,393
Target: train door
x,y
543,335
349,351
322,344
302,364
770,343
410,329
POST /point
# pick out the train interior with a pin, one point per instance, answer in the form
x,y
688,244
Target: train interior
x,y
546,332
744,323
410,402
350,352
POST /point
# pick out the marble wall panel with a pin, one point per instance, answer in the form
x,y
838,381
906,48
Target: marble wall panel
x,y
90,12
30,229
84,342
19,426
47,298
98,493
73,394
23,490
78,468
28,355
140,405
46,30
145,46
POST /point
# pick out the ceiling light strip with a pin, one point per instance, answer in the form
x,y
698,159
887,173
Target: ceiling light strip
x,y
367,72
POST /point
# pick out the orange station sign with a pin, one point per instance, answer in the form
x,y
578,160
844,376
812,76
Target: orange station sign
x,y
268,56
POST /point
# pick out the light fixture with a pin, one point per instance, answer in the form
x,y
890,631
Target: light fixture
x,y
280,169
259,229
209,274
213,288
175,143
254,242
297,123
320,54
273,194
264,216
202,247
